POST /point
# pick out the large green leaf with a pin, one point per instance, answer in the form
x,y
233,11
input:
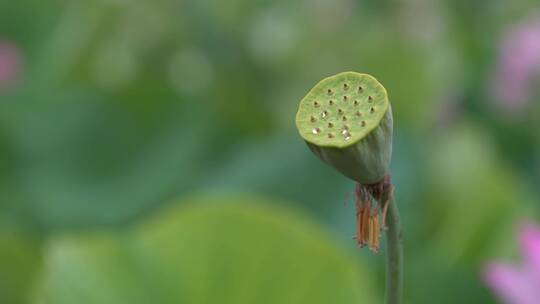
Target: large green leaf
x,y
205,251
20,260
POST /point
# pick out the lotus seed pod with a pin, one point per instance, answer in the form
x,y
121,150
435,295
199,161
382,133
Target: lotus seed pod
x,y
346,120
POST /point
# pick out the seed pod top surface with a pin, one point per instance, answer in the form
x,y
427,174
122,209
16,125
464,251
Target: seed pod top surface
x,y
341,110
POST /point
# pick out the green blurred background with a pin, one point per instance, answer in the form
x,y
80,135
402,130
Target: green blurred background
x,y
148,150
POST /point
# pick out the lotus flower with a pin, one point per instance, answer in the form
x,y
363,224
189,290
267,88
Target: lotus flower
x,y
518,66
520,283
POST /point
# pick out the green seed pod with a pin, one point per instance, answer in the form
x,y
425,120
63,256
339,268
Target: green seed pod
x,y
346,120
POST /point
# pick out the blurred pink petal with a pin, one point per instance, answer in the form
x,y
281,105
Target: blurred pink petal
x,y
518,65
529,238
512,285
519,284
10,64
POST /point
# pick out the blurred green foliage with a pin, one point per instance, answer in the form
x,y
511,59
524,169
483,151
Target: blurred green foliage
x,y
20,263
219,250
124,107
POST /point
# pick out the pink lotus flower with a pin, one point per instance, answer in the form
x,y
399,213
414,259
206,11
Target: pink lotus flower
x,y
518,66
519,284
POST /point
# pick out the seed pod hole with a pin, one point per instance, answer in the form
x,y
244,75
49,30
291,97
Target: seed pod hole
x,y
360,89
330,125
370,99
313,119
372,110
344,118
331,102
324,114
358,113
315,104
329,92
346,134
345,86
345,98
340,111
330,135
316,131
356,102
363,123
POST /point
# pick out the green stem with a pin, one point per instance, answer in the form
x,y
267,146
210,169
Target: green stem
x,y
394,255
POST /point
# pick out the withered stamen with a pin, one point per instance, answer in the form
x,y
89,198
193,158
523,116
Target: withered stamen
x,y
358,237
371,233
372,203
377,234
365,225
385,210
